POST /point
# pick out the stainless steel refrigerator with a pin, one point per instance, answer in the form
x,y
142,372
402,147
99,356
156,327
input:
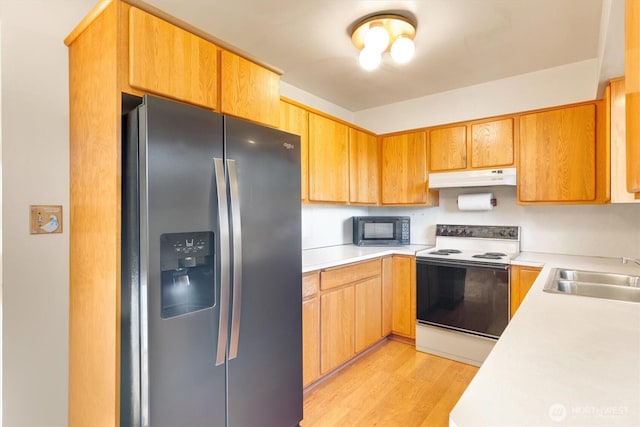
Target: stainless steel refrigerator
x,y
211,260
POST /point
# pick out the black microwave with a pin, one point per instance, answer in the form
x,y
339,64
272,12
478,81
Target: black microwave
x,y
381,230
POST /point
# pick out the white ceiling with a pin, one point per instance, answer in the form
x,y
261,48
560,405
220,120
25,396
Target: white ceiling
x,y
458,43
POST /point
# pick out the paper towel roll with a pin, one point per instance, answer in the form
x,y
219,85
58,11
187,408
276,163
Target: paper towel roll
x,y
476,202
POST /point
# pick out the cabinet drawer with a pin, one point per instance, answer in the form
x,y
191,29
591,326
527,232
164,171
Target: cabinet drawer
x,y
310,284
351,273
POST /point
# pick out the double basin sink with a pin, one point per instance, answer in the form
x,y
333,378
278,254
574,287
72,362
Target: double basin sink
x,y
620,287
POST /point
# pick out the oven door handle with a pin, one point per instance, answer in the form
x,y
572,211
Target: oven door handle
x,y
459,263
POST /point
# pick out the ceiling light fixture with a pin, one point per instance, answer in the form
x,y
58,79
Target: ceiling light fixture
x,y
384,33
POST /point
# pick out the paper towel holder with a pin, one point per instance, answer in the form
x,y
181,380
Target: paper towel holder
x,y
487,201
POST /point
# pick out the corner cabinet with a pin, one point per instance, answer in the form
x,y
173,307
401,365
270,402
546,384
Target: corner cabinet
x,y
363,168
328,160
403,167
632,82
563,156
294,119
119,50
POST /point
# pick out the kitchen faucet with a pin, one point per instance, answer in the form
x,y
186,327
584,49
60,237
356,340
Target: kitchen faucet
x,y
625,260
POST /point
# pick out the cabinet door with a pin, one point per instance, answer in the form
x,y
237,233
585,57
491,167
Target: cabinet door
x,y
337,323
328,160
294,119
558,155
448,148
310,341
492,144
387,295
404,295
368,322
521,280
404,169
169,61
363,167
248,90
632,77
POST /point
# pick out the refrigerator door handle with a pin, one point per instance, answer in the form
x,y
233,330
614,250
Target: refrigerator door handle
x,y
237,259
225,280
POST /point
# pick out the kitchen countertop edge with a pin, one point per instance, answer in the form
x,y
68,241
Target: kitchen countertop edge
x,y
333,256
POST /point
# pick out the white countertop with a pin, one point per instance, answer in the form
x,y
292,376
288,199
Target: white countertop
x,y
331,256
563,360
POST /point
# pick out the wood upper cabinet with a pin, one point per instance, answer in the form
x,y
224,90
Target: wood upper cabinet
x,y
492,144
448,148
249,90
404,295
294,119
616,134
632,89
521,280
328,160
169,61
479,144
363,167
563,158
404,170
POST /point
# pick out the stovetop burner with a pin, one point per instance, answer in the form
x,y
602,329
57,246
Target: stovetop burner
x,y
487,256
445,251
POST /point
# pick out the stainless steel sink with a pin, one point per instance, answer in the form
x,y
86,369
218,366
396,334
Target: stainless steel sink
x,y
620,287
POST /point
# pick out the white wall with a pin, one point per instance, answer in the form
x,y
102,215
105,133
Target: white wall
x,y
554,86
35,157
592,230
313,101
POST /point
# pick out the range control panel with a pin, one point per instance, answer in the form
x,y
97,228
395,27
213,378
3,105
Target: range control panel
x,y
506,232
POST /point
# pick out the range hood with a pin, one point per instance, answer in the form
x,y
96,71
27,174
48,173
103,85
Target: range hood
x,y
476,178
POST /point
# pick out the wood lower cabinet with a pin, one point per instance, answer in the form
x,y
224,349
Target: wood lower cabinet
x,y
169,61
343,318
521,280
387,295
563,156
403,168
337,326
404,296
328,160
310,328
368,322
632,90
294,119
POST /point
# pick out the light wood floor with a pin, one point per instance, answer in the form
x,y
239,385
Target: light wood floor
x,y
392,385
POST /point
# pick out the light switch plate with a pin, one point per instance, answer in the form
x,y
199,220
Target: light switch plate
x,y
45,219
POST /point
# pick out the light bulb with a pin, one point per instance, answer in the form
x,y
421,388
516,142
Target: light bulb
x,y
369,59
376,39
402,49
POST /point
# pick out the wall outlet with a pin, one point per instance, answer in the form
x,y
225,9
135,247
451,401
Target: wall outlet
x,y
45,219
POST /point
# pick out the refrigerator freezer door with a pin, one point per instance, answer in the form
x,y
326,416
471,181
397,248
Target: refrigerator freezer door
x,y
178,196
265,377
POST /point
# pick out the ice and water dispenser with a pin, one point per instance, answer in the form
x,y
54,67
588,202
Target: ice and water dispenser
x,y
188,272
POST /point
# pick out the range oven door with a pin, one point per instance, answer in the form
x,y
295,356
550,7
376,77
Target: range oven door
x,y
463,296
